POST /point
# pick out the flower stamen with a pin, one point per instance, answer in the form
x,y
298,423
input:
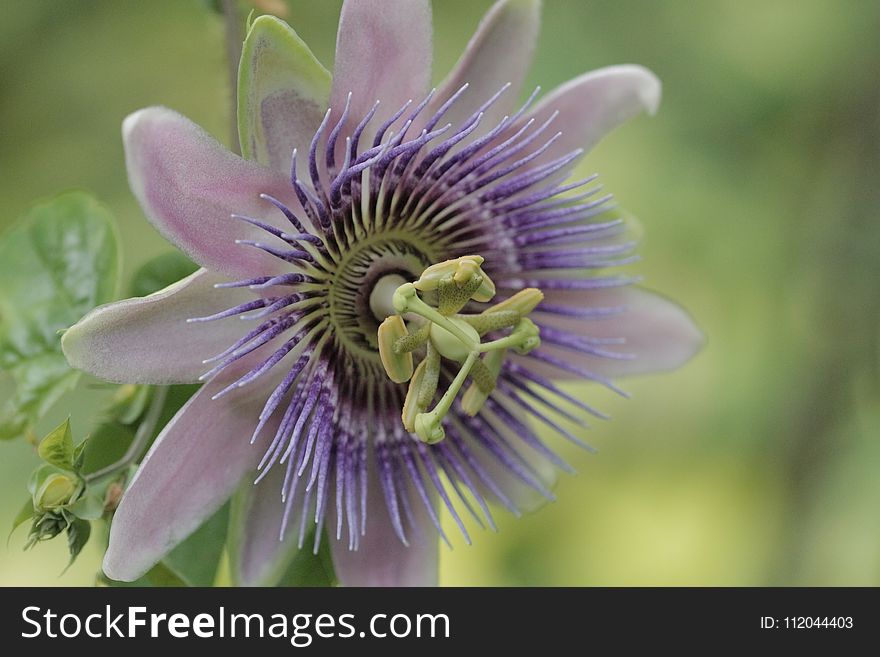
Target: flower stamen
x,y
445,332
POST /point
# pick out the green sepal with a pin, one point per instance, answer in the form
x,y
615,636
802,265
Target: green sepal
x,y
24,514
57,447
275,62
89,506
308,569
196,559
78,533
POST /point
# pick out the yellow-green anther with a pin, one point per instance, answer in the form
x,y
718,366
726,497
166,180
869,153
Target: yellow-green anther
x,y
487,322
398,364
468,267
429,425
523,302
476,395
411,408
486,291
482,377
412,341
459,268
430,378
454,295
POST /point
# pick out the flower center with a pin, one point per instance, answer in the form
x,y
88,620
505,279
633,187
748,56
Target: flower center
x,y
445,332
352,292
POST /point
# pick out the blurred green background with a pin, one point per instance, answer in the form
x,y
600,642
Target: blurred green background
x,y
757,183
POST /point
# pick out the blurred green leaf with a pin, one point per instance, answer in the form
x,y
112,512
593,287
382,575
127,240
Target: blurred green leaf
x,y
158,575
195,561
90,506
78,534
160,272
106,445
309,569
57,447
25,513
60,261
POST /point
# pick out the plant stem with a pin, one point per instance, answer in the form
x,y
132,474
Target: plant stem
x,y
234,39
141,438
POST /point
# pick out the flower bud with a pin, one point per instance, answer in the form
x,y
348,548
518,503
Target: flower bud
x,y
55,491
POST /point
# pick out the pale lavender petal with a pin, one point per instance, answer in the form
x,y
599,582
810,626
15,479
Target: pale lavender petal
x,y
189,185
148,340
258,556
657,332
499,52
283,93
381,558
194,466
592,105
383,52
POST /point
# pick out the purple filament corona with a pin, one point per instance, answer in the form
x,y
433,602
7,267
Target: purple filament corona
x,y
416,192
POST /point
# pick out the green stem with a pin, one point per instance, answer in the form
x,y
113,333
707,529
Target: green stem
x,y
141,438
234,43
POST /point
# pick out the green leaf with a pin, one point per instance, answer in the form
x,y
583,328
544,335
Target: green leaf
x,y
160,272
276,69
88,507
309,569
292,567
106,445
79,453
158,575
162,575
195,561
25,514
78,534
57,447
60,261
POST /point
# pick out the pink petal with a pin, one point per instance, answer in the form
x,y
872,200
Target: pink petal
x,y
500,51
188,185
283,94
148,340
258,556
660,334
194,466
381,558
592,105
383,52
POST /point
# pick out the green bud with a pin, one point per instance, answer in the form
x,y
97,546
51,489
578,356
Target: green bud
x,y
56,491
